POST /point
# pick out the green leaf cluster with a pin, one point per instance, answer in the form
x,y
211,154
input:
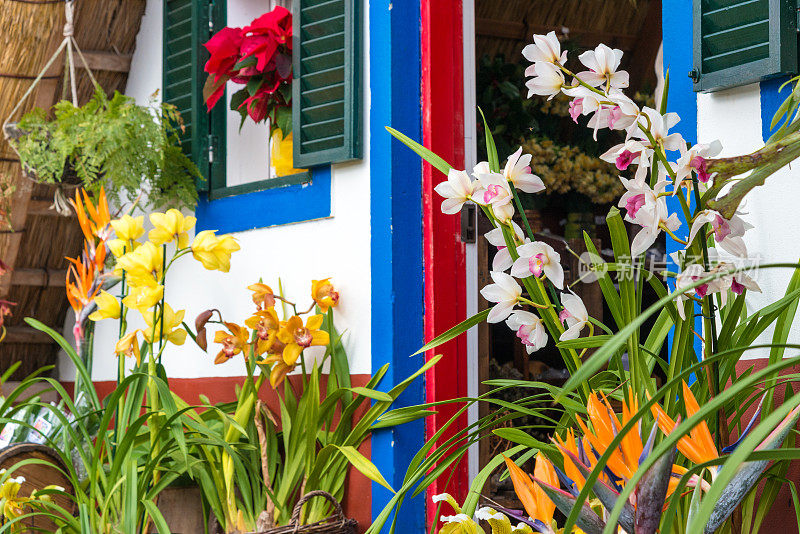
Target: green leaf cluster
x,y
113,143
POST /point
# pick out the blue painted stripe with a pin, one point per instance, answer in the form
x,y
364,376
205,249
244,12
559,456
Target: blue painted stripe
x,y
396,243
271,207
770,101
678,59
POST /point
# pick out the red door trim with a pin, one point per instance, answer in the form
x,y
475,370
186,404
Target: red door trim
x,y
444,253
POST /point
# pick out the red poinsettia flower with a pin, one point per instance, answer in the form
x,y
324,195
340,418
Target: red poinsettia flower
x,y
265,34
224,48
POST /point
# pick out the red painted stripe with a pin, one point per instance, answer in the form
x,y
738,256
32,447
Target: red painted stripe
x,y
445,274
357,501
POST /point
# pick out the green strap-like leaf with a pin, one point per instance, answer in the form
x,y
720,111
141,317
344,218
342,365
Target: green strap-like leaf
x,y
458,329
424,153
366,467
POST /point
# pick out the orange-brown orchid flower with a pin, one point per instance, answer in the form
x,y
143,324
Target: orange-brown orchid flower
x,y
233,342
324,294
263,296
298,337
265,324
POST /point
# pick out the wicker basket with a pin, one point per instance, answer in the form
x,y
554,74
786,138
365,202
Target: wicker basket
x,y
335,524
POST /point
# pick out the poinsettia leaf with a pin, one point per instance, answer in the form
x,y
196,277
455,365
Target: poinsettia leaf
x,y
283,64
238,98
283,119
651,493
212,85
254,84
588,521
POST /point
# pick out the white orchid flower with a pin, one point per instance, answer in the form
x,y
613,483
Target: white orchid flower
x,y
647,208
545,48
603,63
456,190
529,328
741,281
727,233
694,159
518,172
481,168
494,190
505,292
502,259
659,129
574,314
537,259
547,80
629,153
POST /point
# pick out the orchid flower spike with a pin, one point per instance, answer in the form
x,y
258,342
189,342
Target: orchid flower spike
x,y
545,49
603,63
502,259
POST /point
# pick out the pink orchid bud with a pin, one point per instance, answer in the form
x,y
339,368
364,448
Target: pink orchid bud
x,y
575,109
625,159
634,203
536,264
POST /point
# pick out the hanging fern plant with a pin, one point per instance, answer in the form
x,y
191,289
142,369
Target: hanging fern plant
x,y
130,149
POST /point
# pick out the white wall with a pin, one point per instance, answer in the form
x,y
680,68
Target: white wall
x,y
338,247
734,117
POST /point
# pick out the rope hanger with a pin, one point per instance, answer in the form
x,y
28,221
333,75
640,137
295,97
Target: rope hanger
x,y
69,43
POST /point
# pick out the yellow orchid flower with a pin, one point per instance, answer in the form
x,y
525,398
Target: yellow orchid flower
x,y
107,307
119,247
324,294
298,337
265,324
459,523
233,342
173,333
171,225
263,296
214,252
142,298
537,504
128,228
144,265
128,345
13,504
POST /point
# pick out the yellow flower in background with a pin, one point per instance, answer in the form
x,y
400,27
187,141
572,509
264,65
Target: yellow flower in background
x,y
298,337
233,342
128,228
265,324
263,296
9,496
128,345
173,333
144,265
324,294
282,154
142,298
214,252
120,247
171,225
107,307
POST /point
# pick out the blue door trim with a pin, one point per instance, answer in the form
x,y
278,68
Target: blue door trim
x,y
396,242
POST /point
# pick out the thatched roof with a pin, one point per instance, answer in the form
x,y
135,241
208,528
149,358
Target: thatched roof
x,y
634,26
38,239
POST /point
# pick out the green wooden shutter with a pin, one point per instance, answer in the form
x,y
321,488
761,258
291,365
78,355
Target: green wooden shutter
x,y
742,41
326,97
187,25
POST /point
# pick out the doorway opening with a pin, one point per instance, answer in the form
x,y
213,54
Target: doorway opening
x,y
580,188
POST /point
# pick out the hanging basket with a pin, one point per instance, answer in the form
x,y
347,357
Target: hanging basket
x,y
335,524
69,177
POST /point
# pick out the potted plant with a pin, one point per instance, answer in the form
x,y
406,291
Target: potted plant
x,y
258,57
108,142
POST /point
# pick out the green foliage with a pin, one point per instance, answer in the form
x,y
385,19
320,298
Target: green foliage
x,y
115,143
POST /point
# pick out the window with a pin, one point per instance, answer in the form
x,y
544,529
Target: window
x,y
326,98
233,161
740,42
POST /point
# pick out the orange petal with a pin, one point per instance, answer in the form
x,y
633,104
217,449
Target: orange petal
x,y
700,434
545,472
524,488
